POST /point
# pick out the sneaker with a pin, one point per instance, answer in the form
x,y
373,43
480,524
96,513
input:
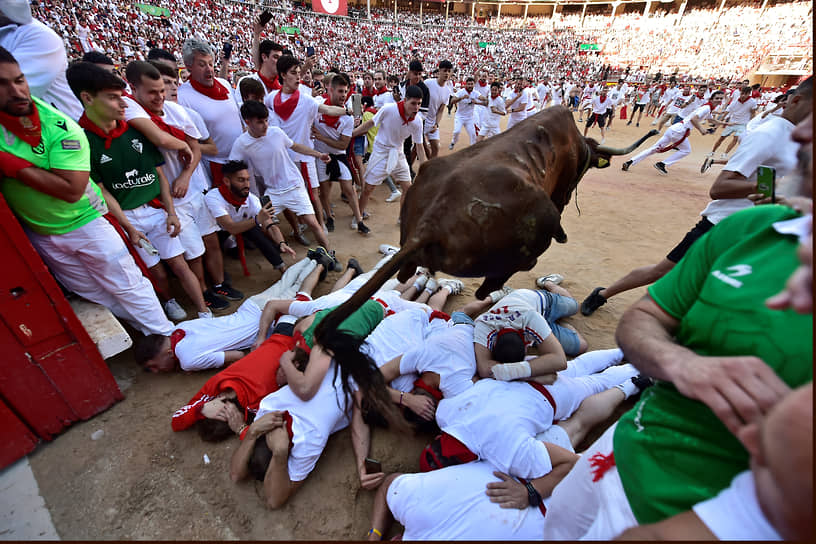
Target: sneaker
x,y
205,315
174,310
353,223
300,239
431,285
386,249
594,301
322,259
603,140
450,147
580,119
366,215
454,286
392,197
330,224
362,228
706,165
629,123
337,266
625,166
499,294
552,278
214,301
710,154
302,228
226,290
641,381
353,264
654,122
661,167
422,270
420,282
637,124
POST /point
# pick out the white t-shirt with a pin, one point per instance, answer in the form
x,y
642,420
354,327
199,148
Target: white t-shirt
x,y
523,310
701,114
740,112
448,353
201,180
344,127
439,96
175,116
615,95
669,95
599,107
270,165
299,125
490,119
692,106
313,421
464,108
643,97
222,117
381,100
523,103
451,504
393,130
220,207
543,91
735,514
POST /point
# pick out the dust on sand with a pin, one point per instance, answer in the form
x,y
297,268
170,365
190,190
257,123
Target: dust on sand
x,y
142,481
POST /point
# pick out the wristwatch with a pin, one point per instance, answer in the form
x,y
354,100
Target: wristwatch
x,y
532,495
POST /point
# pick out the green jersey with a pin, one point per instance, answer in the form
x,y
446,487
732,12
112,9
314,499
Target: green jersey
x,y
671,451
63,146
359,324
127,168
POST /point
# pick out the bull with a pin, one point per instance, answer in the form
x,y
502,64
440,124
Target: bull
x,y
491,209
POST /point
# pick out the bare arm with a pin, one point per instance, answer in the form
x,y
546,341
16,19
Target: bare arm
x,y
551,357
730,184
67,185
300,148
239,468
207,147
363,128
684,526
421,156
439,115
336,111
305,384
173,225
271,309
361,443
182,182
160,138
341,143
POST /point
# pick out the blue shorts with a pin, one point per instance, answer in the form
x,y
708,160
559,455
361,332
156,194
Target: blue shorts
x,y
360,145
461,318
555,307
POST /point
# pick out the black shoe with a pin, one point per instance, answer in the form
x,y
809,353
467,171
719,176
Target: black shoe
x,y
637,124
354,265
629,123
625,166
337,266
330,224
661,167
362,228
312,254
329,261
321,258
226,290
594,301
214,301
642,381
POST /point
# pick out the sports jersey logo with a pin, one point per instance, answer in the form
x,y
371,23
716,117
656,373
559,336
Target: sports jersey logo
x,y
137,145
104,158
39,150
736,271
61,124
133,180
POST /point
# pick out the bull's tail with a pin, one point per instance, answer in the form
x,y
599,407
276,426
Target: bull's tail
x,y
374,283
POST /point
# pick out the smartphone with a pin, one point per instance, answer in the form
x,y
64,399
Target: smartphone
x,y
310,51
265,200
227,50
357,105
265,17
372,466
147,246
766,181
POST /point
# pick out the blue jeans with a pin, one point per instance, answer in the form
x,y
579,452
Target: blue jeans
x,y
553,307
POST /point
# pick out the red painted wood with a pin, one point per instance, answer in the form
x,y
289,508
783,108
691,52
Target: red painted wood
x,y
16,437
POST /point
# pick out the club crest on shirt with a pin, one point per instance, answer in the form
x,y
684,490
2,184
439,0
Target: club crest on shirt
x,y
26,122
136,145
39,150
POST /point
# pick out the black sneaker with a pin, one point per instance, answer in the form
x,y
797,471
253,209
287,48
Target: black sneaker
x,y
594,301
362,228
661,167
330,224
214,301
353,264
226,290
642,381
327,259
625,166
337,266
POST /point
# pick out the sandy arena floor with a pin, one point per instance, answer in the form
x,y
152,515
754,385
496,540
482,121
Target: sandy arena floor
x,y
142,481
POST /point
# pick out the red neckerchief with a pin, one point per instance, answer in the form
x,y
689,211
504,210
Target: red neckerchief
x,y
482,82
270,84
230,197
602,98
175,338
159,122
90,126
434,392
741,101
216,92
380,91
367,92
510,330
700,95
285,109
371,110
401,108
331,120
25,127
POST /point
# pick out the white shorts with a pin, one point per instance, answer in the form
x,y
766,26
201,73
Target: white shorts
x,y
190,236
323,174
295,199
153,223
202,216
386,162
311,171
487,132
432,134
736,130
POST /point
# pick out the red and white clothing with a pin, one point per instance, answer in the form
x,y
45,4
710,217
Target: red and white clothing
x,y
439,95
677,103
382,99
449,353
740,112
221,116
387,157
334,128
484,90
519,310
675,137
695,103
465,115
523,102
600,104
297,126
490,121
668,97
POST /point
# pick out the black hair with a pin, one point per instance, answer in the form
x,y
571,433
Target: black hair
x,y
419,423
267,46
392,79
216,430
340,79
252,109
230,167
415,66
286,63
137,69
745,89
97,57
413,91
470,79
161,54
715,93
147,347
260,458
367,101
445,65
495,84
6,56
250,85
164,69
509,348
88,77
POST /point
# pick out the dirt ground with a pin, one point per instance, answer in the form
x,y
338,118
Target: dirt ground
x,y
141,480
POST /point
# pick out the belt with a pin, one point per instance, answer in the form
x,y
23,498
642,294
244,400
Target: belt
x,y
543,390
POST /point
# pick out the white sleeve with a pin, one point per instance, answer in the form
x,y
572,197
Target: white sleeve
x,y
752,152
200,361
735,514
134,110
536,327
378,117
410,360
186,122
41,55
481,330
199,123
216,204
254,205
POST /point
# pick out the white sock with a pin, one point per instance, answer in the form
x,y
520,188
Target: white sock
x,y
512,371
628,388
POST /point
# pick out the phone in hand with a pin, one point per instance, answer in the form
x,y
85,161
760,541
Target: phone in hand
x,y
372,466
227,50
147,246
766,181
357,105
265,200
265,17
310,51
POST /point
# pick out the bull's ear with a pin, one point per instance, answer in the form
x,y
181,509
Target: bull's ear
x,y
601,162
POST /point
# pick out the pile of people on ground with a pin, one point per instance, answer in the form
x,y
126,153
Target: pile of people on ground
x,y
121,176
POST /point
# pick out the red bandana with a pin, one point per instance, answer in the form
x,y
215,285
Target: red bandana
x,y
401,108
172,131
216,92
602,98
25,127
90,126
381,90
747,98
509,330
331,120
285,109
482,82
176,337
270,84
230,197
434,392
700,95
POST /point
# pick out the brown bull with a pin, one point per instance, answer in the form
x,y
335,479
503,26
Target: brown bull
x,y
491,209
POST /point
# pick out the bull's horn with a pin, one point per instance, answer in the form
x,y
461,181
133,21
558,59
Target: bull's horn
x,y
625,151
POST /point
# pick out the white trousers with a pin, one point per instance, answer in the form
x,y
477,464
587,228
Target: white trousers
x,y
672,134
468,124
93,262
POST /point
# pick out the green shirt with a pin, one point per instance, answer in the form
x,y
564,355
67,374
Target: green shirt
x,y
359,324
63,147
671,451
127,168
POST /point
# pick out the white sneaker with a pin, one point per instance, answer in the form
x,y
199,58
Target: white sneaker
x,y
454,286
394,196
174,310
354,223
552,278
420,282
499,294
450,146
205,315
386,249
431,285
422,270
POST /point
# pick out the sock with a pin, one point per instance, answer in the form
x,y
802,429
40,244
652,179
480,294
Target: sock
x,y
512,371
628,387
